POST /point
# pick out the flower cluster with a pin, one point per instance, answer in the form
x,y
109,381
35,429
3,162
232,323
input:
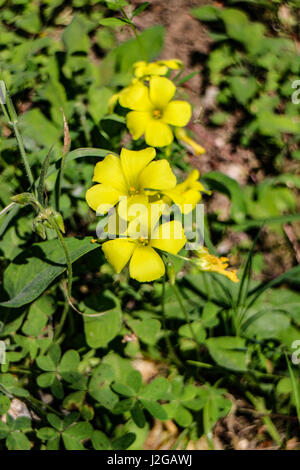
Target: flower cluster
x,y
141,189
135,193
153,111
135,180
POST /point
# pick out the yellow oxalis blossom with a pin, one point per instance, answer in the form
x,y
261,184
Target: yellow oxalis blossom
x,y
145,264
208,262
188,193
130,178
144,69
154,111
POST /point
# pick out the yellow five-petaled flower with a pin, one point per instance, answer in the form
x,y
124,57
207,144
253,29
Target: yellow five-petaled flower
x,y
188,193
129,180
154,111
145,264
142,69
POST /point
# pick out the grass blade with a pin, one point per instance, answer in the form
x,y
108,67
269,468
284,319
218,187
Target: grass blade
x,y
295,387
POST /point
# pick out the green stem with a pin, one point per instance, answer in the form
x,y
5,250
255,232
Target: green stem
x,y
62,320
180,438
259,405
67,254
5,113
70,278
82,116
167,339
39,404
13,121
140,43
7,208
206,286
186,316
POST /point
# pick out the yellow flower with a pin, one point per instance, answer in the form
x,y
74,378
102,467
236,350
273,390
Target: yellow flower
x,y
188,193
112,102
144,69
132,177
145,263
153,111
130,93
182,135
208,262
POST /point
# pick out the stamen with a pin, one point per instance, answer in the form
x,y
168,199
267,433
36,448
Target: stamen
x,y
157,114
133,191
144,241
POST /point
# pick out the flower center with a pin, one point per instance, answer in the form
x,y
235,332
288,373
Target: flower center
x,y
157,114
132,191
143,241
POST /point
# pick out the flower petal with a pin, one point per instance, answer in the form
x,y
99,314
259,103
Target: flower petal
x,y
112,102
109,172
101,198
158,176
118,252
177,113
130,207
134,161
137,122
162,91
143,69
169,237
145,221
146,265
136,97
174,64
182,135
190,198
158,134
174,195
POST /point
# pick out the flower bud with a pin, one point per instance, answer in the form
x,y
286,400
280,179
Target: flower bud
x,y
23,199
59,220
38,228
183,137
47,224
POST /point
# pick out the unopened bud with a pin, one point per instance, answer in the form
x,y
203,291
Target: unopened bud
x,y
59,220
23,199
47,224
39,228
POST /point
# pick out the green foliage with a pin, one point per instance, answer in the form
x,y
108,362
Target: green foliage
x,y
80,339
35,276
255,70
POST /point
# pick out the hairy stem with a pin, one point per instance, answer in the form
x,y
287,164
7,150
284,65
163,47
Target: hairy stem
x,y
13,121
70,278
